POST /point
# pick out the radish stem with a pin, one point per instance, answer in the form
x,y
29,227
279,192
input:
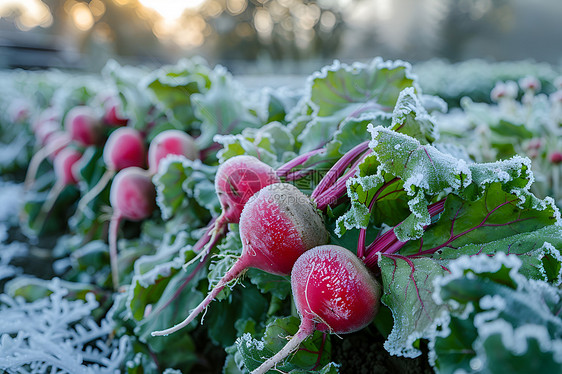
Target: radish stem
x,y
95,191
305,330
39,157
234,272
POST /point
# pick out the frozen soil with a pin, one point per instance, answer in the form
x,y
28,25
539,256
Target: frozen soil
x,y
362,352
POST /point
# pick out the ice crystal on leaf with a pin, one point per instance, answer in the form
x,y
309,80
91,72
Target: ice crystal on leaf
x,y
57,335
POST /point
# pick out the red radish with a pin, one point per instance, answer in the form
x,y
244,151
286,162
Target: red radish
x,y
555,157
170,142
237,179
112,116
64,167
278,224
333,292
83,125
46,130
133,197
18,110
124,148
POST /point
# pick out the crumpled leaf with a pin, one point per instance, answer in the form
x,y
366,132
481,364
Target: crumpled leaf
x,y
341,93
272,144
254,352
222,109
184,185
499,319
135,102
422,173
408,288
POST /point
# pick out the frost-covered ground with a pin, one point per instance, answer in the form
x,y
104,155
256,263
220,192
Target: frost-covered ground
x,y
11,199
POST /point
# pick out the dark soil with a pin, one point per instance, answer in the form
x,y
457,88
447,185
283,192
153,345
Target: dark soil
x,y
363,353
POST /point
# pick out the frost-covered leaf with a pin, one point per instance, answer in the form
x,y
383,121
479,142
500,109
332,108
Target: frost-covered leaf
x,y
359,87
352,95
499,319
411,118
63,336
403,169
408,288
183,185
133,95
254,352
272,144
222,109
538,250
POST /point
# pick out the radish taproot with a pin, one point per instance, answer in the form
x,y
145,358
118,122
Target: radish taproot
x,y
83,125
333,292
133,197
277,225
124,148
65,174
52,145
170,142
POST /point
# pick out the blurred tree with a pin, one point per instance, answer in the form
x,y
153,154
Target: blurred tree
x,y
277,29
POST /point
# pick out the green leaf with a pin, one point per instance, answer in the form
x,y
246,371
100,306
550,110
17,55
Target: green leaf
x,y
174,86
255,352
408,288
277,285
183,185
272,144
359,87
244,302
222,109
499,320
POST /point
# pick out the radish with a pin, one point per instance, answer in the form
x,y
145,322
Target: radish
x,y
133,197
45,131
64,165
170,142
124,148
112,116
278,224
83,125
19,110
237,179
333,292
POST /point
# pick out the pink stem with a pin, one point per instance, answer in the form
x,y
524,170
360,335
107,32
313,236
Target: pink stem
x,y
388,243
283,170
363,231
336,191
38,158
335,172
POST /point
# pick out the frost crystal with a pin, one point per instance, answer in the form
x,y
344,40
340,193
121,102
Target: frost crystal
x,y
57,335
